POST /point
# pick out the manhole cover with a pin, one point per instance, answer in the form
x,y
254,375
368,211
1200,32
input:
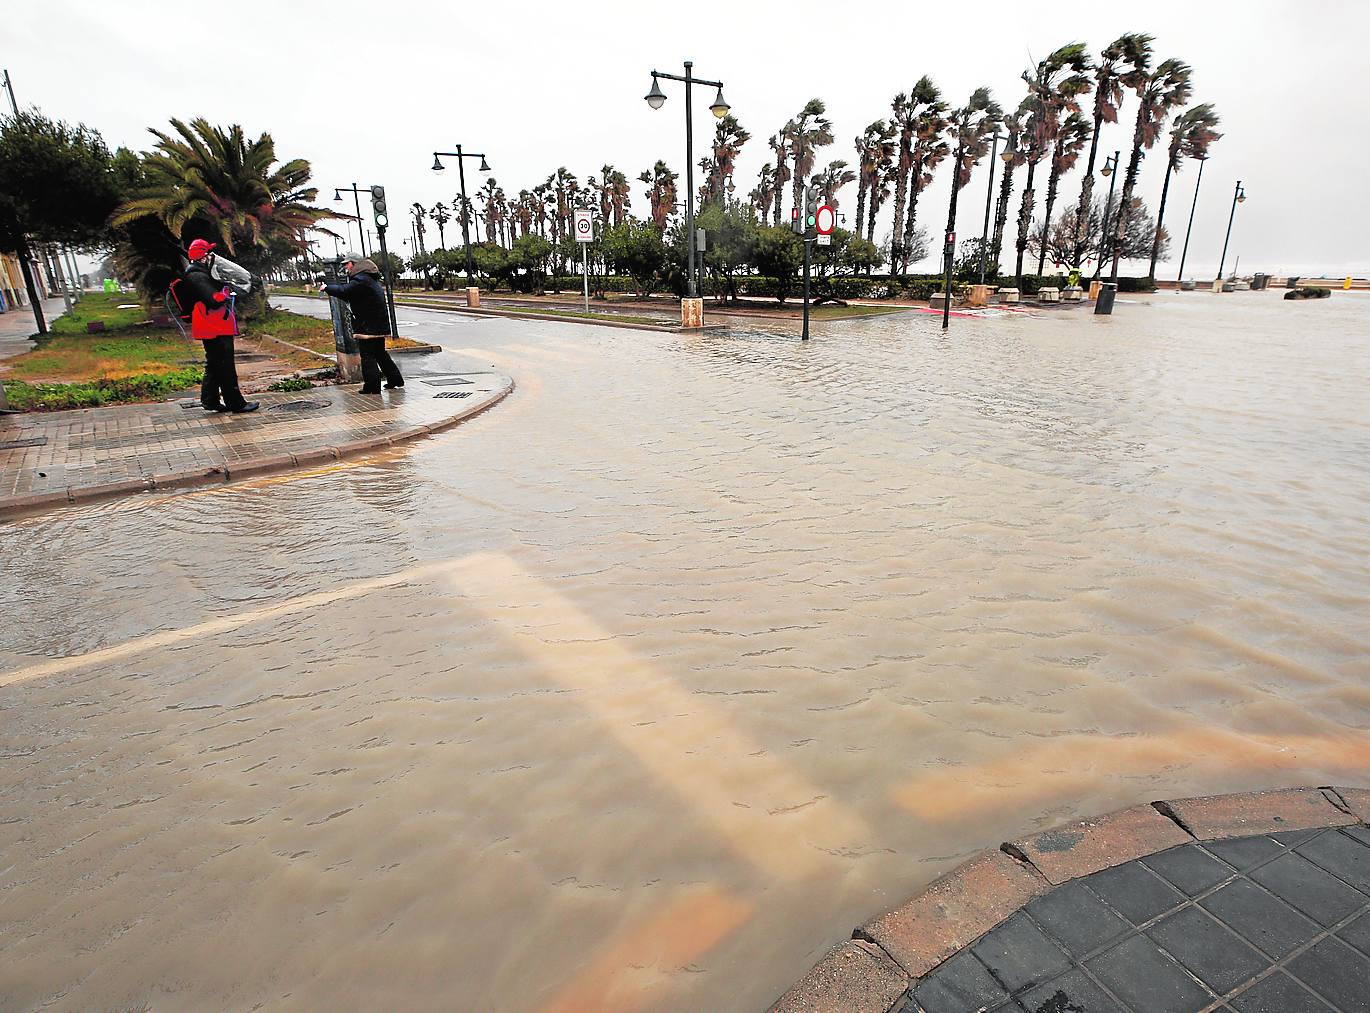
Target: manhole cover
x,y
454,393
298,406
32,441
446,381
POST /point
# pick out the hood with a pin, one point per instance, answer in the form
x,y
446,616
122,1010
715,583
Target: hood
x,y
365,266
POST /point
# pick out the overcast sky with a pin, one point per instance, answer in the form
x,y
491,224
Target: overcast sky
x,y
366,91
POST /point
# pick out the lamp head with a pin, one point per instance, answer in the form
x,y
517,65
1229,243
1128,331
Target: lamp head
x,y
1107,170
484,165
656,98
720,107
437,163
337,196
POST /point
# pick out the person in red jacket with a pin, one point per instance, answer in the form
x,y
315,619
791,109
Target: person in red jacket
x,y
212,325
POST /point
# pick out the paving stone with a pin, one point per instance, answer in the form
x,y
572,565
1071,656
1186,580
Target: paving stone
x,y
1291,839
1318,894
1257,812
1361,834
1357,800
1337,973
1341,855
1135,892
1145,978
1084,847
1076,919
1278,993
1244,852
1259,918
1073,992
1357,934
1215,955
1189,868
954,911
960,985
1019,955
854,977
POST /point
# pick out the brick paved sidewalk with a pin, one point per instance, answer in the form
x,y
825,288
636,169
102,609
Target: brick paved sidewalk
x,y
56,457
1254,903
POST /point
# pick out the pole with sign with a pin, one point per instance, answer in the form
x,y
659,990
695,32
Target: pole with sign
x,y
585,235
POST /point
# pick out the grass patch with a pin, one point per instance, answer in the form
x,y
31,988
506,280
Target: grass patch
x,y
308,332
51,397
847,312
582,315
291,384
104,308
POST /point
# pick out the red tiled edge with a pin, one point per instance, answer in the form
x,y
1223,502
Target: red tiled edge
x,y
971,900
14,505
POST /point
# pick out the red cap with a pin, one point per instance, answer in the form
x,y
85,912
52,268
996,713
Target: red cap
x,y
199,248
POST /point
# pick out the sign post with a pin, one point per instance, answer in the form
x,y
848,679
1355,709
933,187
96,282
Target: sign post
x,y
585,234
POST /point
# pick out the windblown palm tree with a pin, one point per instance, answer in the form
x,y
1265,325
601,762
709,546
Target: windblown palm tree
x,y
208,182
971,126
929,149
1167,87
729,137
1012,158
539,208
619,195
780,144
1119,64
661,192
1191,135
910,119
1070,141
764,192
812,130
833,179
419,213
441,217
866,145
880,168
488,196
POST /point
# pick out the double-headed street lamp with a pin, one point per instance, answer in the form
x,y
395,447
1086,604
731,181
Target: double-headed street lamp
x,y
656,98
1110,167
461,156
1238,197
356,199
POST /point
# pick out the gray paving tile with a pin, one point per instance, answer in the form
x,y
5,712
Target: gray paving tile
x,y
1145,978
1343,856
1019,955
1361,834
1077,919
1318,894
1213,953
1188,868
1244,852
1073,992
1337,973
1256,916
1357,934
960,985
1278,993
1293,838
1134,891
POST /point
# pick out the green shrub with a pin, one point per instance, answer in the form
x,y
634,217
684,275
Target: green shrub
x,y
49,397
291,383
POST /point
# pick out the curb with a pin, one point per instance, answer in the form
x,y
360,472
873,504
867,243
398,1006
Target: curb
x,y
14,506
889,954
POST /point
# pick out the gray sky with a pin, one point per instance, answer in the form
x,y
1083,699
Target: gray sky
x,y
367,91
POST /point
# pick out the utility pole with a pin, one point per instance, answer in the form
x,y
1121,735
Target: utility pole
x,y
1179,280
9,88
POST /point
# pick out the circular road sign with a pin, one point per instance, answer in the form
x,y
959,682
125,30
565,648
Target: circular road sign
x,y
826,219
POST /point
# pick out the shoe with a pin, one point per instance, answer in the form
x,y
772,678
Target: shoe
x,y
393,386
371,393
214,407
250,406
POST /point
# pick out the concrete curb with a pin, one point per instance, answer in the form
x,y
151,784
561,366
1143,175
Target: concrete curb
x,y
894,951
14,506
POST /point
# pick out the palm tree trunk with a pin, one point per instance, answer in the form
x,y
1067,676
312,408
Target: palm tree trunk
x,y
1160,217
1134,165
860,204
874,210
1024,224
1051,200
779,179
910,223
901,196
1001,212
1086,197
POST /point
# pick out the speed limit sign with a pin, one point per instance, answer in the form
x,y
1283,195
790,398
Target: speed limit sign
x,y
585,226
825,219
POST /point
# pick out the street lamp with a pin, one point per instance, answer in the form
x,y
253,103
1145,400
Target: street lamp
x,y
461,157
1110,164
989,194
356,198
656,98
1179,282
1104,304
1238,197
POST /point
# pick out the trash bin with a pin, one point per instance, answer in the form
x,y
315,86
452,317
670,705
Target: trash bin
x,y
1259,281
1292,281
1104,304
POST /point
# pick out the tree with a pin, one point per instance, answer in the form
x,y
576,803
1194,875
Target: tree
x,y
638,250
1060,238
1070,140
1158,92
811,130
929,149
57,185
1192,134
914,114
779,255
847,255
780,144
1119,63
764,192
881,168
661,192
732,242
729,137
832,179
441,218
970,126
1012,157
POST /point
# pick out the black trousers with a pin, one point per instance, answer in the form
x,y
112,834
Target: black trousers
x,y
375,361
220,386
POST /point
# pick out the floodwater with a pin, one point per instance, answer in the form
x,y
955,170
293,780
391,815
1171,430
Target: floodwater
x,y
640,690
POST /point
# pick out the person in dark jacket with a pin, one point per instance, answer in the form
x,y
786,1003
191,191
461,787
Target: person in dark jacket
x,y
370,321
205,300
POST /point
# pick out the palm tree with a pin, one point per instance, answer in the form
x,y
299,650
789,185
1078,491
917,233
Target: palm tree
x,y
833,179
419,213
729,137
910,112
1191,135
1012,156
439,214
216,184
865,146
1070,141
780,144
1119,63
661,192
812,130
1167,87
619,195
1054,86
764,192
970,128
487,197
929,149
881,167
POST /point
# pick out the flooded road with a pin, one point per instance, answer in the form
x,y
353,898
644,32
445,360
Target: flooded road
x,y
641,689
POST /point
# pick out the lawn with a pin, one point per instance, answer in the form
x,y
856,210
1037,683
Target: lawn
x,y
308,332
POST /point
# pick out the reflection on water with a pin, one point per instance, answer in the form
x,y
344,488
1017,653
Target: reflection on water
x,y
640,690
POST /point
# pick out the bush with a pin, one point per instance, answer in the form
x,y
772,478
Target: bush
x,y
50,397
291,383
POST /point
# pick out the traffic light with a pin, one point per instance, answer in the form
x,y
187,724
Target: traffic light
x,y
794,220
811,207
378,206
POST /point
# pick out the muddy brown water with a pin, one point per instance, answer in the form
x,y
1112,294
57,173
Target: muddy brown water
x,y
640,690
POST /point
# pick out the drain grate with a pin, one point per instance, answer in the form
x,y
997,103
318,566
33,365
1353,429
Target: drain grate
x,y
454,393
32,441
298,406
446,381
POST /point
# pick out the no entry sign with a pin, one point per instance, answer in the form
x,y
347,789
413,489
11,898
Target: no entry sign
x,y
825,219
585,226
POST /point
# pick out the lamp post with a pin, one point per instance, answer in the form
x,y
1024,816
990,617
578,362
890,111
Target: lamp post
x,y
656,98
1179,281
356,199
461,157
989,197
1238,197
1110,167
1103,306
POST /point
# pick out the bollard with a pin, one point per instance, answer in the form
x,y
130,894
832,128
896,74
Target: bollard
x,y
473,297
